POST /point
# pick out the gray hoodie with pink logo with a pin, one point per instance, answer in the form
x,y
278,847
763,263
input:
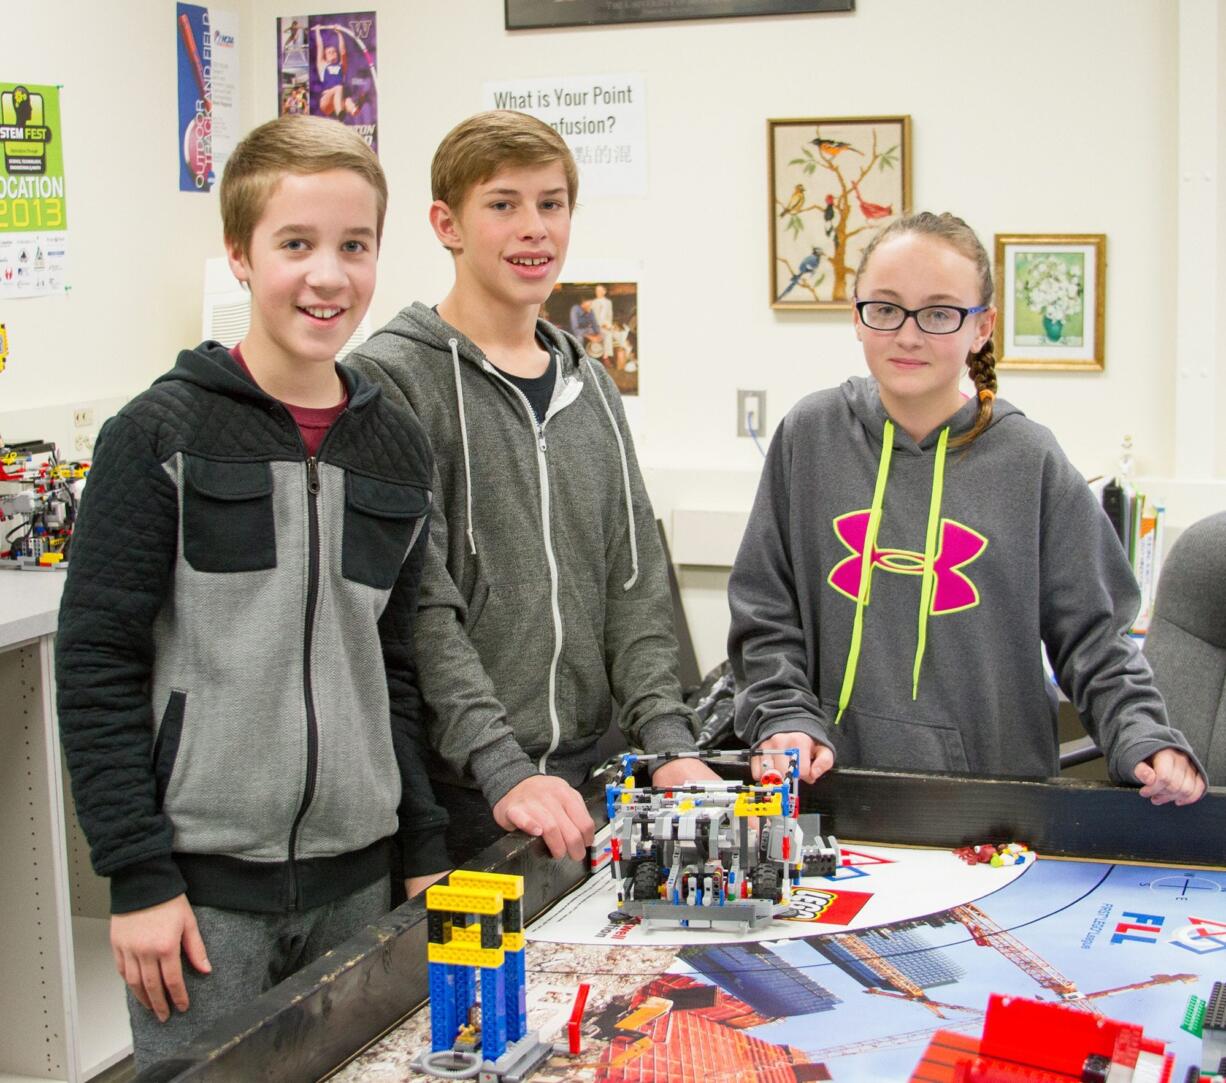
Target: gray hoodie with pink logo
x,y
941,670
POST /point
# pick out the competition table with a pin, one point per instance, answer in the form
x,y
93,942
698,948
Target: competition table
x,y
318,1020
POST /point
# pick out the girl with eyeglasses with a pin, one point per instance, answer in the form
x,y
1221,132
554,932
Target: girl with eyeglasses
x,y
912,551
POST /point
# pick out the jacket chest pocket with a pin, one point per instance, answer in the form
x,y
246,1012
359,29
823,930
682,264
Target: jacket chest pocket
x,y
228,521
382,521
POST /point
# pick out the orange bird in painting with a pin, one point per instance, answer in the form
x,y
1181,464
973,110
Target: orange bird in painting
x,y
832,148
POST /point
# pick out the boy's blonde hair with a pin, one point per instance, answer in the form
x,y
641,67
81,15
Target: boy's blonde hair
x,y
477,148
291,144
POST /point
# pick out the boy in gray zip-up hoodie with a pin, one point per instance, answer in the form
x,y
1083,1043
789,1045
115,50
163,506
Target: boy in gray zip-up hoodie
x,y
544,599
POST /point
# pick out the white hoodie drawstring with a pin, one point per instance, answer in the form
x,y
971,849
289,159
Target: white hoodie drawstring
x,y
468,470
621,450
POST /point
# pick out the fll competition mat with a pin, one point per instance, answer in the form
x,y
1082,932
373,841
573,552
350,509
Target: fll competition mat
x,y
919,946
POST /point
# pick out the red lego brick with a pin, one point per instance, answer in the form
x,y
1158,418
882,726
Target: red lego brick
x,y
945,1051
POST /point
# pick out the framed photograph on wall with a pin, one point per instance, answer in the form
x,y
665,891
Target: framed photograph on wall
x,y
834,182
539,14
1051,294
603,316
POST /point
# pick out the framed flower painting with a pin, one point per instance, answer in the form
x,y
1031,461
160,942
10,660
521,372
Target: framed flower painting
x,y
1051,299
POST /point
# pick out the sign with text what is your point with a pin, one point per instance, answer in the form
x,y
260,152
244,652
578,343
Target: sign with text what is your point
x,y
603,119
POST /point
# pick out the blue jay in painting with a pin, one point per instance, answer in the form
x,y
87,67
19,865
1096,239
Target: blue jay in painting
x,y
808,266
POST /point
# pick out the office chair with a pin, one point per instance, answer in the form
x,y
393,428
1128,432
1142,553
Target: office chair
x,y
1186,644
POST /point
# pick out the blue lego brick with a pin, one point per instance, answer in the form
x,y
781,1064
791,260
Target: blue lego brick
x,y
493,1012
516,995
466,991
443,1021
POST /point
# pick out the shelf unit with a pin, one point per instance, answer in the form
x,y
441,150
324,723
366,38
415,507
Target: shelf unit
x,y
62,1002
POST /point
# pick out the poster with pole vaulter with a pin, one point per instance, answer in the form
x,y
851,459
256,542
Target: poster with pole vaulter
x,y
208,126
33,203
327,66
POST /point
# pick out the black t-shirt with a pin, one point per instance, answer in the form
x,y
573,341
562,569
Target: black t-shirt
x,y
538,389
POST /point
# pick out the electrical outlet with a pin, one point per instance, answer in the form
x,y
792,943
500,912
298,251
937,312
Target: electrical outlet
x,y
750,412
83,418
83,444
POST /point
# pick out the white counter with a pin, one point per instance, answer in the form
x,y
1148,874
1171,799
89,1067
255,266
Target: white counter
x,y
29,605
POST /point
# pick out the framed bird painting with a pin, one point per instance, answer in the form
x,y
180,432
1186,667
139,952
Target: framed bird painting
x,y
834,182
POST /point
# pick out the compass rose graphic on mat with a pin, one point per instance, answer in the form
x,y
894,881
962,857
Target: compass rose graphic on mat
x,y
1182,885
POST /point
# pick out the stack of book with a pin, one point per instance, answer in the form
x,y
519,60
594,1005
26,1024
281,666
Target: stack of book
x,y
1138,520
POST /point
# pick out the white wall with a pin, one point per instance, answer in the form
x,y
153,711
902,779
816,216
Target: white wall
x,y
1041,117
1047,116
1217,349
135,243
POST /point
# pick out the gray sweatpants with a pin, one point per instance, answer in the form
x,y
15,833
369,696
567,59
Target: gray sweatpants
x,y
250,953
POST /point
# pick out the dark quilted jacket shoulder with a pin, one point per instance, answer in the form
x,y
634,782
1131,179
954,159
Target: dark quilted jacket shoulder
x,y
235,635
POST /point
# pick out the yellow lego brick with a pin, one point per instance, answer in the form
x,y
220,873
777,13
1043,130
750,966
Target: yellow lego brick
x,y
464,900
772,806
470,937
685,805
458,955
510,887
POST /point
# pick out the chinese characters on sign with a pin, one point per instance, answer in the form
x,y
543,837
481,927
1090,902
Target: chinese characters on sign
x,y
603,119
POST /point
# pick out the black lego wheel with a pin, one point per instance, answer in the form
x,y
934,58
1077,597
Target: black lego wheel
x,y
767,883
647,881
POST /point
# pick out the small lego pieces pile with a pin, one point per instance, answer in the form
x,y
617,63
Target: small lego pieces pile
x,y
996,855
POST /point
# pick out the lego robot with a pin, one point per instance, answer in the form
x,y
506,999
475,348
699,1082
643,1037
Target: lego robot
x,y
711,853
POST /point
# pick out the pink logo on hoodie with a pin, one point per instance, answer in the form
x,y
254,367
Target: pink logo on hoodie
x,y
957,546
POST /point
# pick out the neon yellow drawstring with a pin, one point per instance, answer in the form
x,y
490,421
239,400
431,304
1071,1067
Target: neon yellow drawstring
x,y
930,548
866,568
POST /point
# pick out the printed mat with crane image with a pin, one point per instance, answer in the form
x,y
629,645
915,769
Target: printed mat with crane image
x,y
898,943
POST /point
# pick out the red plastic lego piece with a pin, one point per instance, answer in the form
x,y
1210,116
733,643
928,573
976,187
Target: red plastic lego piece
x,y
576,1019
1076,1045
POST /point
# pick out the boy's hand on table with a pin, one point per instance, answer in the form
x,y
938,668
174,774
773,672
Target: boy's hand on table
x,y
815,758
546,807
146,945
678,772
1168,775
415,885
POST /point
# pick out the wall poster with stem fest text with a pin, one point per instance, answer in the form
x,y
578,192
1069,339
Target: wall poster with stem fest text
x,y
33,204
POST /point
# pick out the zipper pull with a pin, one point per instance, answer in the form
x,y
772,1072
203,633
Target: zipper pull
x,y
312,475
540,438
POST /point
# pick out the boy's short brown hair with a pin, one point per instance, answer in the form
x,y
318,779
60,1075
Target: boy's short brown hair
x,y
477,148
291,144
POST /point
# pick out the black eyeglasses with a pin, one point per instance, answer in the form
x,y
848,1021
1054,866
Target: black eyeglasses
x,y
931,319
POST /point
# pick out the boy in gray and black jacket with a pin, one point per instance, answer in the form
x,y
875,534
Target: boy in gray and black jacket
x,y
237,691
545,599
